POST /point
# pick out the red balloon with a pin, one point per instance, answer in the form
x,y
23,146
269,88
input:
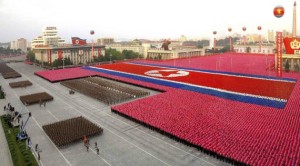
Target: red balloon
x,y
259,27
92,32
214,32
278,11
244,28
229,29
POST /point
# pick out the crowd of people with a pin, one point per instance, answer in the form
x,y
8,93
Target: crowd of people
x,y
71,130
105,91
7,72
20,84
36,98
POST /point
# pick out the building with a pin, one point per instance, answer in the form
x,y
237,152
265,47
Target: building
x,y
105,41
22,44
285,33
182,38
82,54
161,54
19,44
13,45
265,49
271,36
131,47
48,38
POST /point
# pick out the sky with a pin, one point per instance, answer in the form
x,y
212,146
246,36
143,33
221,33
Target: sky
x,y
141,19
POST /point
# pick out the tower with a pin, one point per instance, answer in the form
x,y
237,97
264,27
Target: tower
x,y
294,22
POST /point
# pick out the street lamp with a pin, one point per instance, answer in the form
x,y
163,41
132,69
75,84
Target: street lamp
x,y
63,59
110,57
92,32
215,41
244,38
230,39
260,43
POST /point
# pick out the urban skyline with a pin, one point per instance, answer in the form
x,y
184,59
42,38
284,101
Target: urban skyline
x,y
131,19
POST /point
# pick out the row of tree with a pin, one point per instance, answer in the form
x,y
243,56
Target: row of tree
x,y
113,54
8,51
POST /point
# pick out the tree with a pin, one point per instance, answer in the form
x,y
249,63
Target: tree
x,y
287,66
225,49
129,54
59,62
30,56
248,49
297,67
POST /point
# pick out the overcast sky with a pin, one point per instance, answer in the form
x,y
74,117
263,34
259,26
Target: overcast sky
x,y
143,19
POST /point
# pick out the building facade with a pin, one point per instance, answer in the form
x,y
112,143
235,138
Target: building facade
x,y
265,49
271,36
77,54
105,41
119,47
19,44
162,54
22,44
48,38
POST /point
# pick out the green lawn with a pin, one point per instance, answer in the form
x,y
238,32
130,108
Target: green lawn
x,y
20,155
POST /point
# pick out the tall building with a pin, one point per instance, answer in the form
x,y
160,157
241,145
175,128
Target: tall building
x,y
19,44
22,44
48,38
13,45
294,22
285,33
271,37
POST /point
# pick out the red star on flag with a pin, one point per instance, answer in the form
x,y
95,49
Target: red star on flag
x,y
278,11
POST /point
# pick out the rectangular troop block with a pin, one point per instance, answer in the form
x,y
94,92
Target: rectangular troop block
x,y
106,91
12,74
70,130
20,84
36,98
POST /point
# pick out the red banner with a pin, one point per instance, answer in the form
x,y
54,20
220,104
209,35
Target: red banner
x,y
78,41
292,45
60,54
49,56
279,54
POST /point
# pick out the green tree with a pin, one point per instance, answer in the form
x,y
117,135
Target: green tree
x,y
287,66
112,54
297,67
59,62
129,54
225,49
30,56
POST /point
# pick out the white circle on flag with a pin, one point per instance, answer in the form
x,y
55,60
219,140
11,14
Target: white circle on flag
x,y
164,73
77,41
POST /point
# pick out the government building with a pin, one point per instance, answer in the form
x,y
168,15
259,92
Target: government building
x,y
83,54
49,47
